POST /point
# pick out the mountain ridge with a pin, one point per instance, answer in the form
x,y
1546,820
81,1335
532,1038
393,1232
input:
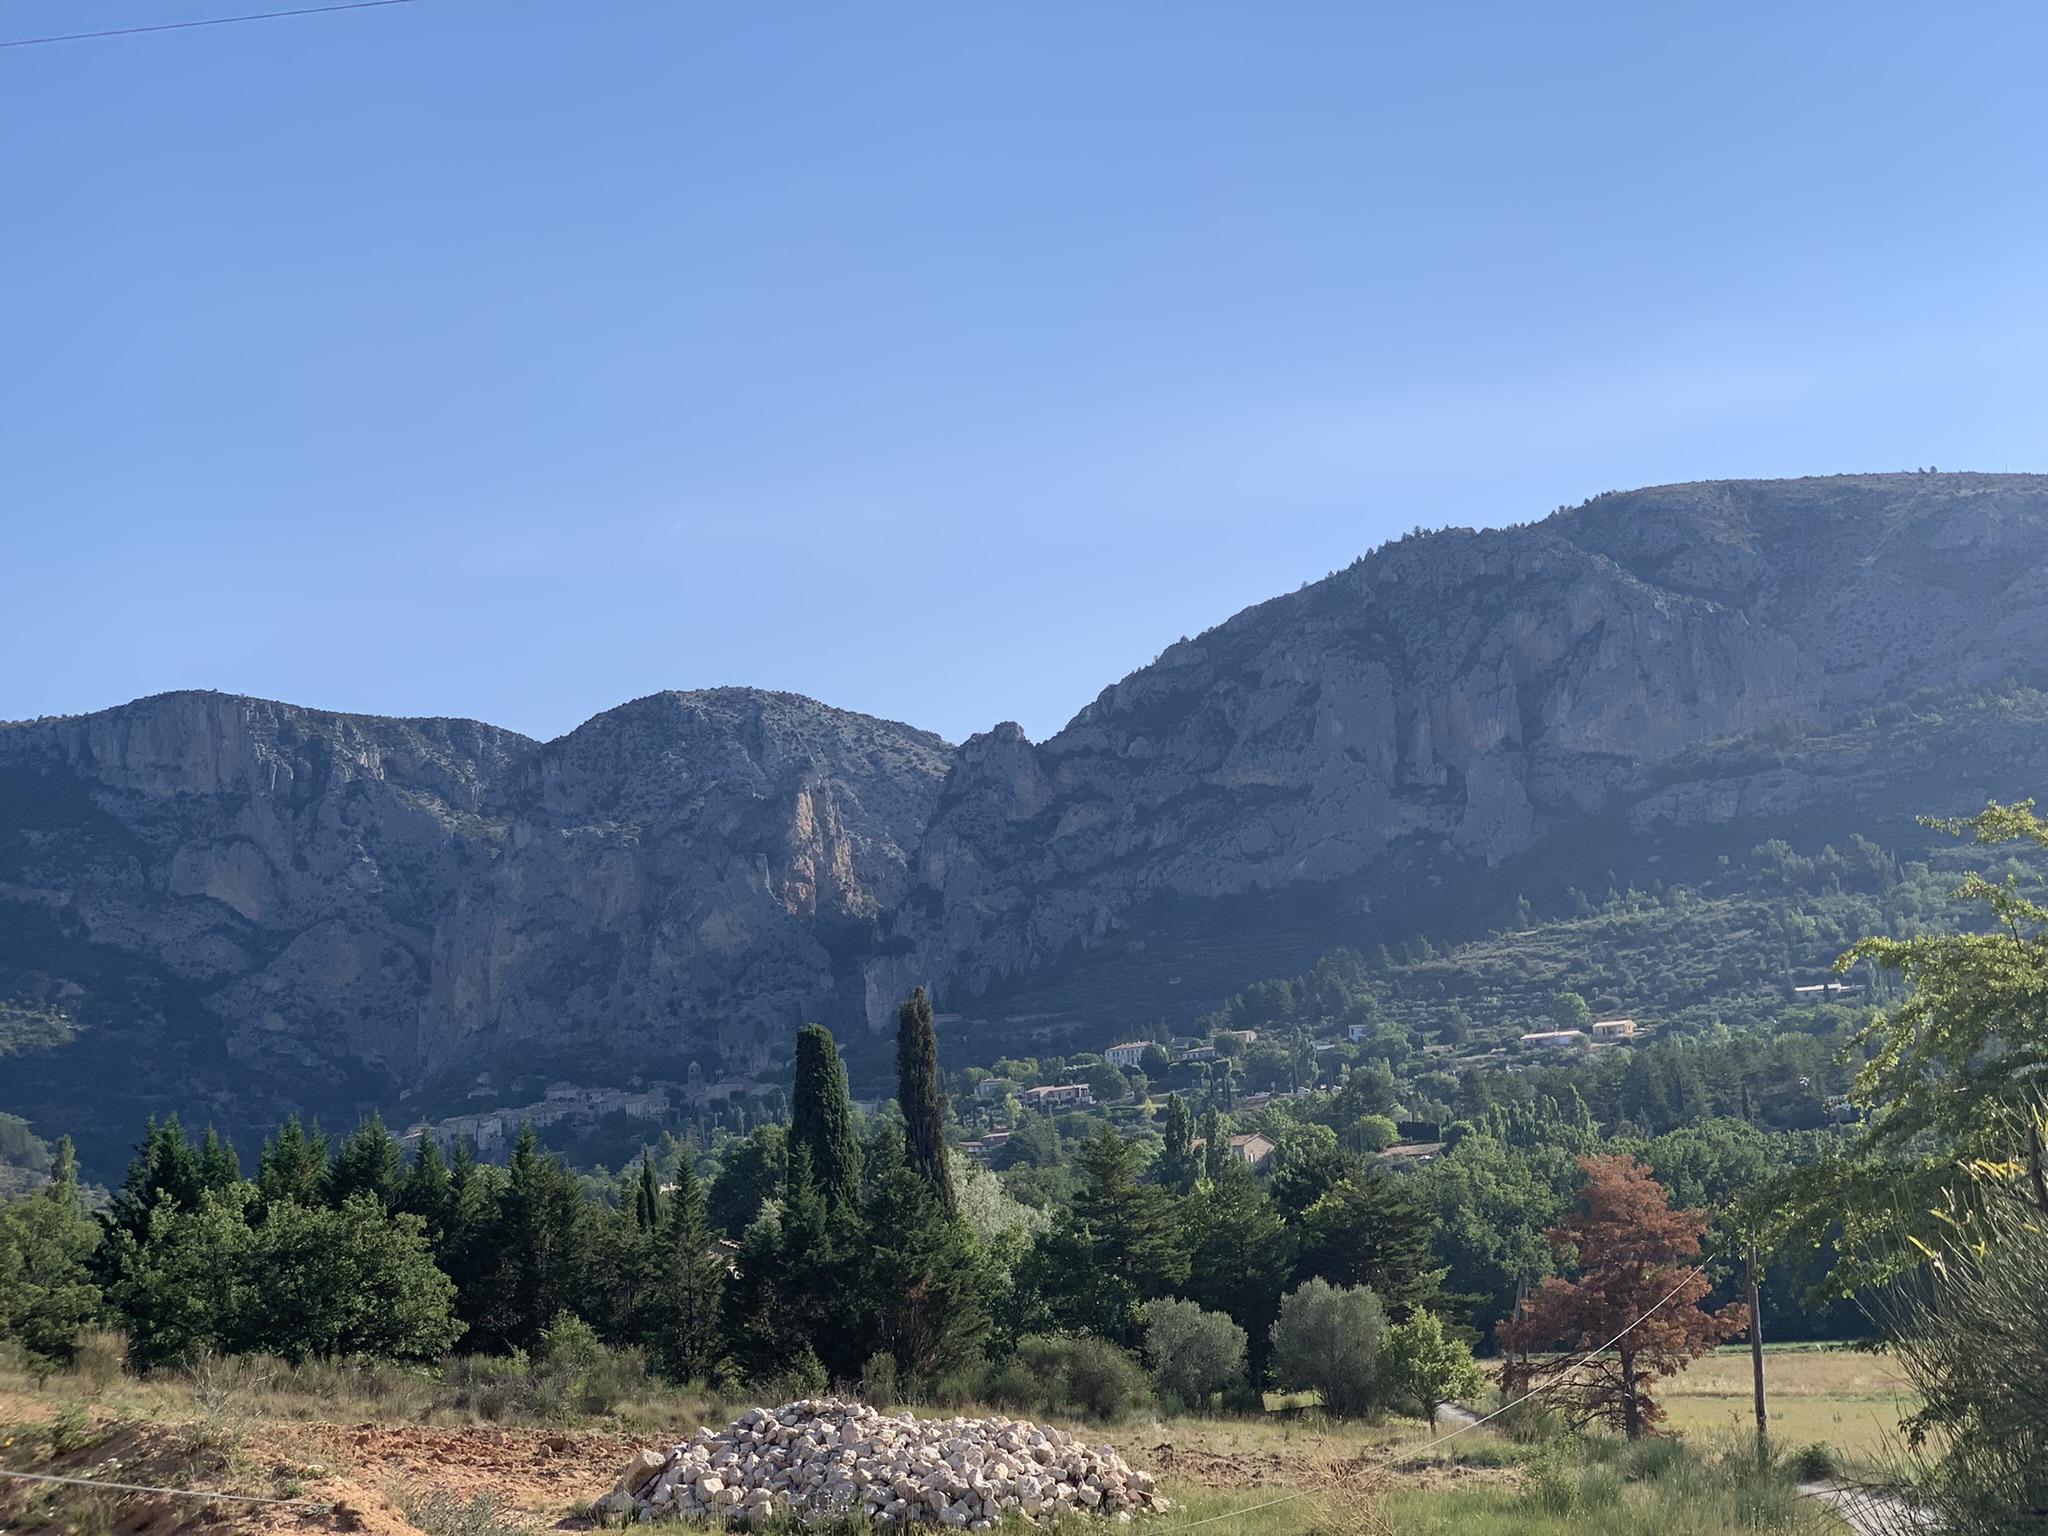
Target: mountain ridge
x,y
338,908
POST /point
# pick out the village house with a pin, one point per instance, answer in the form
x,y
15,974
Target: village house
x,y
1554,1039
1057,1096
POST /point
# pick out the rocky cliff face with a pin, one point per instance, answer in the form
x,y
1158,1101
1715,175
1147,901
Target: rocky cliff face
x,y
1475,693
354,904
214,901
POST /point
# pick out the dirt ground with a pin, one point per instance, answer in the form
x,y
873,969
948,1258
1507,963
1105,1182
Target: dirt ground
x,y
358,1477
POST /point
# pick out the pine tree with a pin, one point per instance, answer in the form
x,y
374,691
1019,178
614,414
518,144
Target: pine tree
x,y
292,1164
532,1250
919,1097
166,1167
219,1168
1376,1230
821,1119
366,1162
46,1289
1241,1254
683,1334
427,1189
924,1273
1135,1249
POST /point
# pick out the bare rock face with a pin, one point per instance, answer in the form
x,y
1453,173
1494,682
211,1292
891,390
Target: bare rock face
x,y
1478,691
230,907
347,897
692,873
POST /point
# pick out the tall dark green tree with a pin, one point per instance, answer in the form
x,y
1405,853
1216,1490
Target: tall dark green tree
x,y
682,1335
367,1161
1178,1166
1241,1254
292,1164
923,1272
1215,1145
821,1119
1120,1247
532,1251
1375,1230
920,1098
166,1167
427,1190
647,1195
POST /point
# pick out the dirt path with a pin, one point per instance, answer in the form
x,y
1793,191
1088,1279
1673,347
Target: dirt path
x,y
1868,1511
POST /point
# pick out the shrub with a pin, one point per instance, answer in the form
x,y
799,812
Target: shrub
x,y
878,1378
1420,1363
1327,1340
1086,1376
1192,1352
1814,1463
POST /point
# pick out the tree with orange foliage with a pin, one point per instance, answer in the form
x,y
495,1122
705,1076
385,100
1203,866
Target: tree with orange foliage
x,y
1634,1253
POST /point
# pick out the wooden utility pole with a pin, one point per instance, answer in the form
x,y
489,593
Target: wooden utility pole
x,y
1756,1346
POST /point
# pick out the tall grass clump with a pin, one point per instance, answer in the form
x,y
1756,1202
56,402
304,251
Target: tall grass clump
x,y
1975,1344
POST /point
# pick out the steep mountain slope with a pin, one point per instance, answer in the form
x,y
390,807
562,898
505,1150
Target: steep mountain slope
x,y
229,907
1459,700
225,906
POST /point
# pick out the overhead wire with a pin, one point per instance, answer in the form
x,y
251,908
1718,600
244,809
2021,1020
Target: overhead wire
x,y
182,1493
211,21
1302,1493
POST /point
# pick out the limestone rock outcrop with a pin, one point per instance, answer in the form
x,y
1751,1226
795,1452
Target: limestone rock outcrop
x,y
245,907
1477,691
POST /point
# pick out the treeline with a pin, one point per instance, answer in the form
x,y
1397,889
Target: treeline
x,y
859,1252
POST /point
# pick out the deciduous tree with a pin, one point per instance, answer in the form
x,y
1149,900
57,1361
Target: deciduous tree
x,y
1632,1317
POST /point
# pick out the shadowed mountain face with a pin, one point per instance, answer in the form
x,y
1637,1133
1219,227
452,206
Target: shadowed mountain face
x,y
1468,697
229,906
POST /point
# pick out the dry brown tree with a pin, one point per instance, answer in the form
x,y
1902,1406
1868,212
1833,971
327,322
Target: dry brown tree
x,y
1634,1254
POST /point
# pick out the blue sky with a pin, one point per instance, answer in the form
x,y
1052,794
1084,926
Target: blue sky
x,y
513,358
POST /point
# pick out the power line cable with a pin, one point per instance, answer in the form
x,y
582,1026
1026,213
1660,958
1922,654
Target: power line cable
x,y
212,21
182,1493
1231,1514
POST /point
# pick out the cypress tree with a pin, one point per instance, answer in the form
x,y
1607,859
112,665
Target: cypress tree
x,y
821,1119
1178,1169
647,1195
1215,1145
919,1097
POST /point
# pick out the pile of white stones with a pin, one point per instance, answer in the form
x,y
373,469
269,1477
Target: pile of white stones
x,y
824,1458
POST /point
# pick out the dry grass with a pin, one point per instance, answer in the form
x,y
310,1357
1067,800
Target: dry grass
x,y
1846,1399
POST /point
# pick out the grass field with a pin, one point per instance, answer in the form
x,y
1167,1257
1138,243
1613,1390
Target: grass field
x,y
1850,1401
388,1444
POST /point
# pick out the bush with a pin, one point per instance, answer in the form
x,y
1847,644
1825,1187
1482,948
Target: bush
x,y
1087,1376
878,1378
1814,1463
1193,1353
1327,1340
1420,1363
